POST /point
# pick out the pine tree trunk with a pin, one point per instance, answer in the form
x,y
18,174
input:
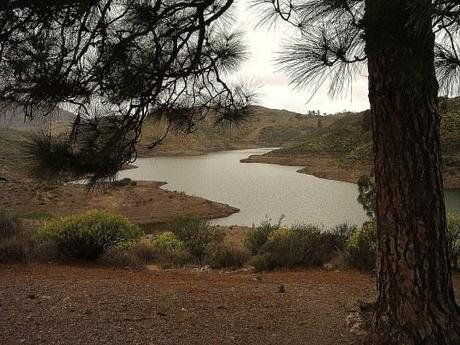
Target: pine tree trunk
x,y
416,303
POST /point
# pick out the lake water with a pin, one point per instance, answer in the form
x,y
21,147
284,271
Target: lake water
x,y
259,190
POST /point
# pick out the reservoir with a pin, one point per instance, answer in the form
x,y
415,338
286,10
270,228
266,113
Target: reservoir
x,y
260,191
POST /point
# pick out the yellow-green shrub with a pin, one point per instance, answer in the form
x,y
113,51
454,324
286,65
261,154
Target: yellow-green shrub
x,y
87,236
360,249
168,249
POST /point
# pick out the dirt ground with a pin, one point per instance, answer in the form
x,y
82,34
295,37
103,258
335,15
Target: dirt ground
x,y
143,203
81,305
328,167
49,304
318,165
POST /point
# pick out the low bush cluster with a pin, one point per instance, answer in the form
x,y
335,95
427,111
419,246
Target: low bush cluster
x,y
114,241
16,244
258,236
228,256
300,246
200,239
168,249
86,236
188,241
360,248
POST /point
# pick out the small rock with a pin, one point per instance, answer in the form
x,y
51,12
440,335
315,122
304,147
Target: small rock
x,y
161,314
183,309
281,289
328,266
31,296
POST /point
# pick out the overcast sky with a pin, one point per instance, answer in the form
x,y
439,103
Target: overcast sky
x,y
276,92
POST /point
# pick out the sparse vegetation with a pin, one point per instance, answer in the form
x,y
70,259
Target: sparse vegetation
x,y
453,233
16,244
87,236
9,225
258,236
228,256
347,141
301,246
200,238
360,248
169,249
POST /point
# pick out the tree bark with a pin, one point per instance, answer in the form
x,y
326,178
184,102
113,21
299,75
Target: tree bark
x,y
416,303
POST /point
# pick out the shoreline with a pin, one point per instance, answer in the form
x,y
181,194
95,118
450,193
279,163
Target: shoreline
x,y
331,168
144,202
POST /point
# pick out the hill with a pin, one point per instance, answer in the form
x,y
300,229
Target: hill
x,y
343,149
14,117
264,128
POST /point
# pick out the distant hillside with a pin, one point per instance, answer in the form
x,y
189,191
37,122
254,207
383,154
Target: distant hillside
x,y
264,128
13,117
343,149
11,157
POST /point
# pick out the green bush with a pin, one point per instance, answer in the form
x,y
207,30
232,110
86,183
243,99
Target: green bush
x,y
168,249
229,257
338,236
200,239
87,236
453,233
305,245
360,249
257,237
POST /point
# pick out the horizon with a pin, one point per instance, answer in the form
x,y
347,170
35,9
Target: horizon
x,y
276,92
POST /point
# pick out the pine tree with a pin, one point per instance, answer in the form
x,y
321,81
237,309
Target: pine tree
x,y
116,64
416,303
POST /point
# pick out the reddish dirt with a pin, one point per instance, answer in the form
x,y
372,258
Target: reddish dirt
x,y
143,203
48,304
